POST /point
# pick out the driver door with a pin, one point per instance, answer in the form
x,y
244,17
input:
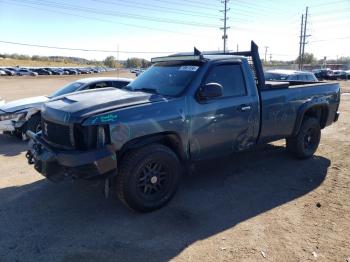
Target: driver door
x,y
226,124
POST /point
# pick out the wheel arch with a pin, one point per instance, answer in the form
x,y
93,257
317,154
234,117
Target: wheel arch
x,y
169,139
317,110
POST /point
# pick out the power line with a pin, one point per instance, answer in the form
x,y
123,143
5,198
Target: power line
x,y
189,3
70,7
157,8
330,39
329,3
102,20
85,50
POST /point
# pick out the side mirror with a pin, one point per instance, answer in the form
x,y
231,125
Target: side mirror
x,y
210,91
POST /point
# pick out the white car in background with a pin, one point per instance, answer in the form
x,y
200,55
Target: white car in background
x,y
16,117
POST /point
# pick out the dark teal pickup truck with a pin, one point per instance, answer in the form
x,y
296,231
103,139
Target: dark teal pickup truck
x,y
186,107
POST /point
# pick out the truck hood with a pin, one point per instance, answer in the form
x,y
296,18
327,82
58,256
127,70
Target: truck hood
x,y
21,104
77,106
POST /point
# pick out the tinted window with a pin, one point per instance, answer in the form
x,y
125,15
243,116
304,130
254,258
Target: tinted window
x,y
293,77
230,77
311,78
72,87
302,77
120,84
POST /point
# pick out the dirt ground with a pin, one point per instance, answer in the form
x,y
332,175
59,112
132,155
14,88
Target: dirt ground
x,y
254,206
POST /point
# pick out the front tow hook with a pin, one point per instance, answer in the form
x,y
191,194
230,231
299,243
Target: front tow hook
x,y
30,157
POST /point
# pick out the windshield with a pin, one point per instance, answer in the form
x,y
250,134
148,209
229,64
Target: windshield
x,y
70,88
275,76
167,78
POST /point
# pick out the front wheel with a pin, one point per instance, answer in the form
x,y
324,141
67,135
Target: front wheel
x,y
148,177
305,144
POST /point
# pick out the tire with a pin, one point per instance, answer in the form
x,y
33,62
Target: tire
x,y
305,144
148,178
34,123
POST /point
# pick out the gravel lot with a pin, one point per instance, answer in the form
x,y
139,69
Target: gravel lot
x,y
260,205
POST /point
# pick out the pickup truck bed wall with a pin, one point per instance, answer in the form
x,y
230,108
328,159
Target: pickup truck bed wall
x,y
283,108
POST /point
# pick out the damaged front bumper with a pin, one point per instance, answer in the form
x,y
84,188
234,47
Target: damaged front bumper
x,y
11,125
56,164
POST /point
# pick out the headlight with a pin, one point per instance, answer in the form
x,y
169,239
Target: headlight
x,y
14,116
101,137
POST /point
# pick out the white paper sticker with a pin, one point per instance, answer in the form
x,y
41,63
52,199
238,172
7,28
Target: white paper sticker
x,y
189,68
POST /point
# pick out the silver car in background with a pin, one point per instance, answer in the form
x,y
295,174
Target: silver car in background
x,y
25,72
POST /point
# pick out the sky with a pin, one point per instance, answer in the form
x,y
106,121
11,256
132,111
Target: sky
x,y
140,28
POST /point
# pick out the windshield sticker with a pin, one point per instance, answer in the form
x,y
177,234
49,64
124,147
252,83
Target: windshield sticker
x,y
189,68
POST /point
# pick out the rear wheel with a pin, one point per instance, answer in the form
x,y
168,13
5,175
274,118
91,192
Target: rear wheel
x,y
305,144
148,177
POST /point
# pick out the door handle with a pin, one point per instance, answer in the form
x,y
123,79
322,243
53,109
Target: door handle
x,y
244,108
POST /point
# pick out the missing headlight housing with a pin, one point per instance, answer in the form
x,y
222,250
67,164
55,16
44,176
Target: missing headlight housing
x,y
13,116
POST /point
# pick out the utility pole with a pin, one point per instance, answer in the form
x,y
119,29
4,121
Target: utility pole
x,y
237,47
301,40
266,47
270,59
118,60
224,37
304,39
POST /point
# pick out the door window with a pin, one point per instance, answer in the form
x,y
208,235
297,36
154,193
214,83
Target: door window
x,y
230,76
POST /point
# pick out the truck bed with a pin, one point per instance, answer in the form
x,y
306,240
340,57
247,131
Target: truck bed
x,y
281,106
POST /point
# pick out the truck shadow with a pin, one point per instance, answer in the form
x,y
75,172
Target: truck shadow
x,y
11,146
73,222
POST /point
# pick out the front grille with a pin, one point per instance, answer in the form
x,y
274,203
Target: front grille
x,y
56,133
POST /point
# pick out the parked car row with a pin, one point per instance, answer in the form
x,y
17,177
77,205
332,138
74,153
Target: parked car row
x,y
305,76
290,75
17,71
328,74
